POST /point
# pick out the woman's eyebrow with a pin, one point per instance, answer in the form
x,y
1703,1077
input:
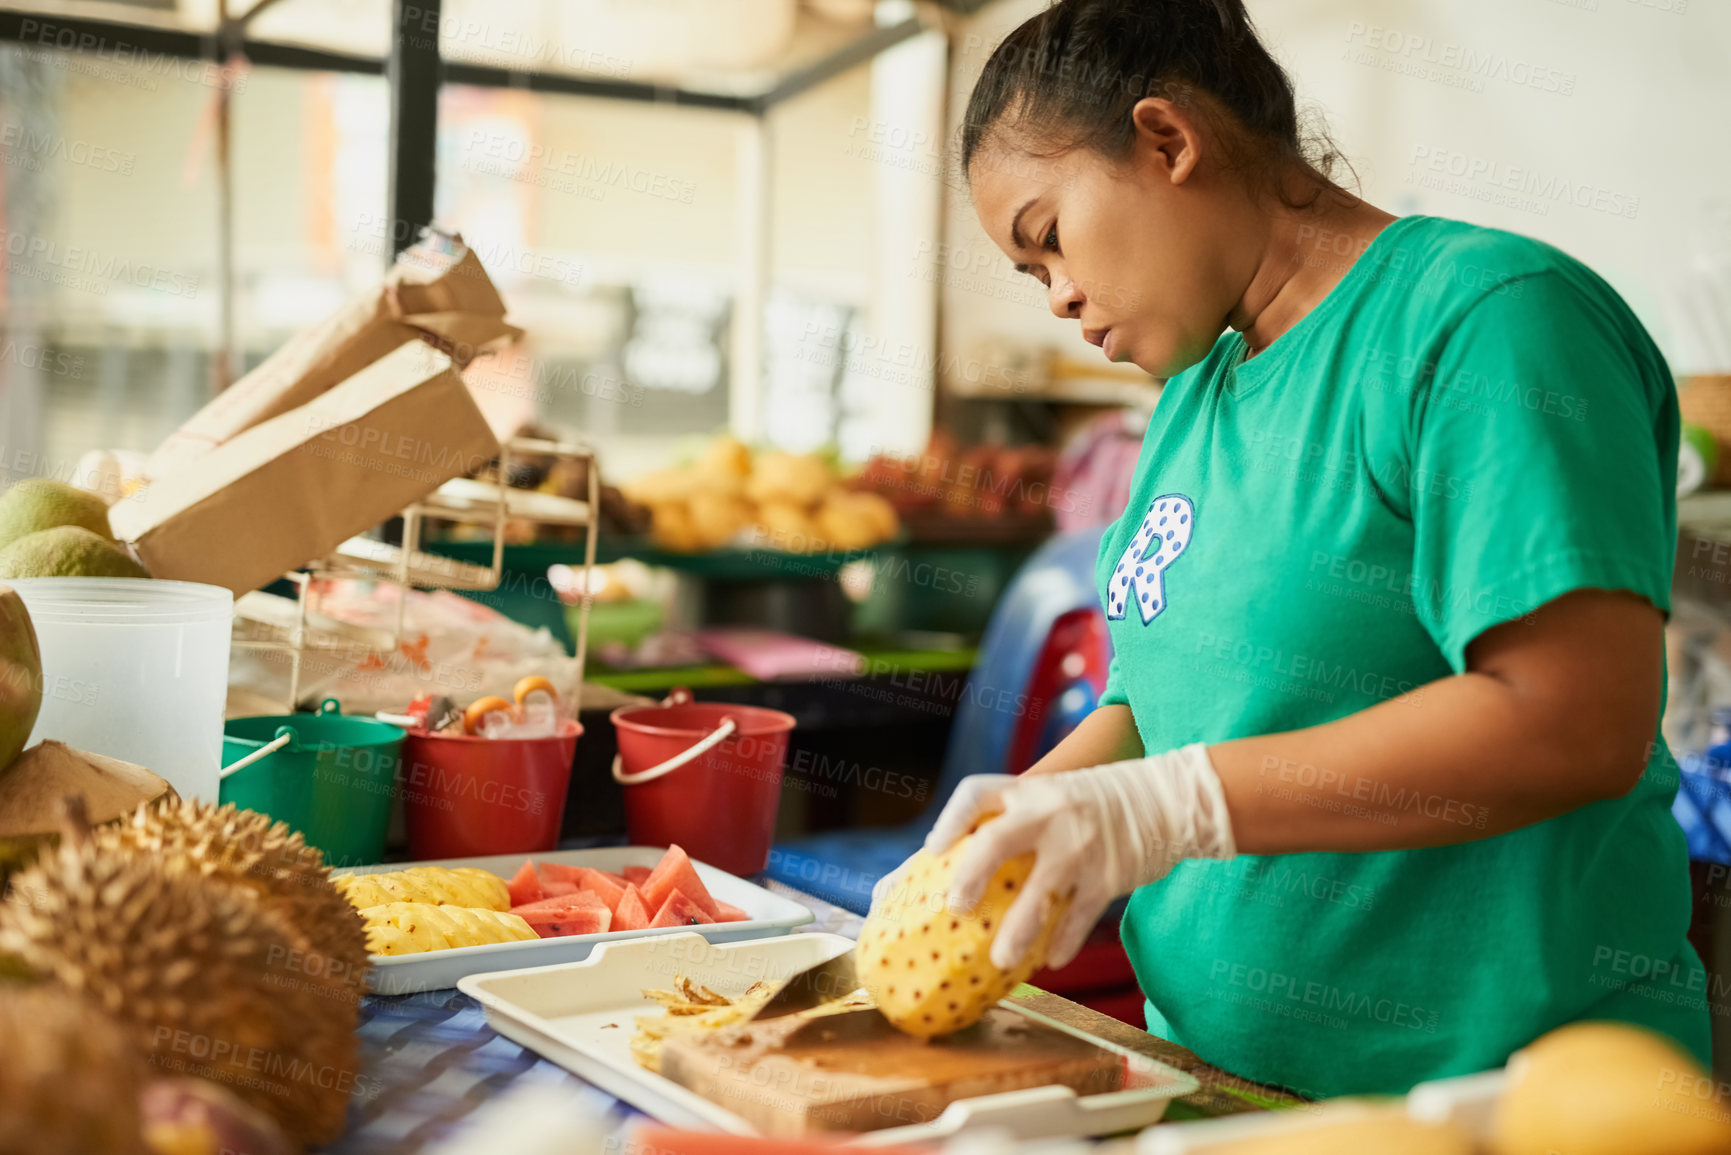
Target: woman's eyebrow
x,y
1016,237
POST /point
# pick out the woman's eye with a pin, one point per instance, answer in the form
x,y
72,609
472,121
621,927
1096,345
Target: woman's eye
x,y
1051,241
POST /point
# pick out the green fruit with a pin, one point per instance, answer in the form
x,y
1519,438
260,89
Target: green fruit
x,y
20,675
38,504
67,551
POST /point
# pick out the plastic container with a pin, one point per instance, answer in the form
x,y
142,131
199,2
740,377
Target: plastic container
x,y
136,669
465,796
706,776
333,782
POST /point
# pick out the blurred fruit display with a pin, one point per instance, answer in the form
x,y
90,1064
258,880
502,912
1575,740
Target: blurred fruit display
x,y
789,502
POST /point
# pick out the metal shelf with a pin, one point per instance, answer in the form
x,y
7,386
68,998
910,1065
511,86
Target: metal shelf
x,y
407,566
463,499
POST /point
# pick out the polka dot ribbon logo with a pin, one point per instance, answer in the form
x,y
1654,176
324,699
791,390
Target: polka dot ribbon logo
x,y
1141,573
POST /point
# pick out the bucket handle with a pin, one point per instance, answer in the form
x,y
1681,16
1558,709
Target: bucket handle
x,y
284,736
695,750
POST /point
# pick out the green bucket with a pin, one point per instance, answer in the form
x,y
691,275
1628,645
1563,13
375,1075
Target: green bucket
x,y
333,781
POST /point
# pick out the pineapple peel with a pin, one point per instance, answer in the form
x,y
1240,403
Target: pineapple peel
x,y
929,969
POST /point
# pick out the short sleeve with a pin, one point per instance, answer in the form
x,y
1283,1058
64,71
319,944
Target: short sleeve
x,y
1543,458
1113,694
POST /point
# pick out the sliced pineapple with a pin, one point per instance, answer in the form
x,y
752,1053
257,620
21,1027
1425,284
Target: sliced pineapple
x,y
441,886
413,927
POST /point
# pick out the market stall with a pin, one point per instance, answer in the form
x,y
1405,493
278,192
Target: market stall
x,y
705,577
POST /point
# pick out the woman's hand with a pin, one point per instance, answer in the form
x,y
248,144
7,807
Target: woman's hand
x,y
1096,833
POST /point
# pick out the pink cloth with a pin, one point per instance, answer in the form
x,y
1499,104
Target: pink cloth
x,y
1095,468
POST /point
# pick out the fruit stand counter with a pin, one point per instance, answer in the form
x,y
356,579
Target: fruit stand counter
x,y
429,1060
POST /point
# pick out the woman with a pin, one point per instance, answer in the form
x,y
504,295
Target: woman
x,y
1379,761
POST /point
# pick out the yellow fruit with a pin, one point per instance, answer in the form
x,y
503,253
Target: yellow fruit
x,y
38,504
462,886
1609,1089
413,927
716,517
1371,1134
879,514
849,521
929,970
726,457
672,529
787,528
796,478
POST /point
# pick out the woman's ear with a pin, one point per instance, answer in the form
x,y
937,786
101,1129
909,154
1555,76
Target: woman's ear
x,y
1168,137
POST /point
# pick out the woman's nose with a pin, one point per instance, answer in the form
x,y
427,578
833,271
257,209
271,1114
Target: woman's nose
x,y
1065,298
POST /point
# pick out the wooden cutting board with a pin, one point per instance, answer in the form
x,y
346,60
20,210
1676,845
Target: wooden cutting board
x,y
855,1072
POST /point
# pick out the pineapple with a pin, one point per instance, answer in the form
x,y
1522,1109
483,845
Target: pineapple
x,y
438,885
929,970
413,927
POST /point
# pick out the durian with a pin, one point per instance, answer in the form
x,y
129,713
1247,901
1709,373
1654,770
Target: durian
x,y
201,973
248,849
70,1079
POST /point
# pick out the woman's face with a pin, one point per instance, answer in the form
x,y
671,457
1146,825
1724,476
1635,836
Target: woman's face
x,y
1150,254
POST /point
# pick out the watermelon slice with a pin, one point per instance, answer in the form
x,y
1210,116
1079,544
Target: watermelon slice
x,y
675,873
636,875
679,910
553,923
558,871
727,912
582,900
610,888
557,887
631,913
525,885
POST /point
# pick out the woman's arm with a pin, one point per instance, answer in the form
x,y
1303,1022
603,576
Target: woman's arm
x,y
1107,735
1555,711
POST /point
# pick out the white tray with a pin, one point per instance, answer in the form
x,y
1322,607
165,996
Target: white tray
x,y
769,915
582,1016
1467,1101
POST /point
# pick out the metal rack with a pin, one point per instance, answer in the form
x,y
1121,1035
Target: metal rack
x,y
407,566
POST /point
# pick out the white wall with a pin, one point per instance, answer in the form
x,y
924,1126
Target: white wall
x,y
1635,120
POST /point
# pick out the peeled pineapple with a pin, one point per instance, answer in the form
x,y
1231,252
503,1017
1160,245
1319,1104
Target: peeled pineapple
x,y
414,927
928,970
462,886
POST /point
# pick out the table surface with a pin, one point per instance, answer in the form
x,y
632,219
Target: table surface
x,y
428,1060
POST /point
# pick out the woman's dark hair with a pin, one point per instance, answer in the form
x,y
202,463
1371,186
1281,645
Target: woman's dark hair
x,y
1071,76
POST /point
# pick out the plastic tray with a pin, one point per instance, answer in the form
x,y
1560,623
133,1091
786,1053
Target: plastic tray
x,y
770,915
1467,1101
582,1016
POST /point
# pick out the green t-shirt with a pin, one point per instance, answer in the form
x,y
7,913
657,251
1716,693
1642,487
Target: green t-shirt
x,y
1470,425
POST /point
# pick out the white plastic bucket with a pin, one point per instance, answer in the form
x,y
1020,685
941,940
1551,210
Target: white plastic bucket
x,y
136,669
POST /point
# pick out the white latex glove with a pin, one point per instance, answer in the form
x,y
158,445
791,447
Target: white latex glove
x,y
1097,834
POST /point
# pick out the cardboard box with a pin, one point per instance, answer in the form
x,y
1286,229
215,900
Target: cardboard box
x,y
437,293
288,491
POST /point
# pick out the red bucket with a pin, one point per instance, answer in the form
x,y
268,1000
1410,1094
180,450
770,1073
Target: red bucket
x,y
704,775
465,795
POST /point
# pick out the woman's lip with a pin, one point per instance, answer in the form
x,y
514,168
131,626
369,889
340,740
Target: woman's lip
x,y
1109,345
1095,336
